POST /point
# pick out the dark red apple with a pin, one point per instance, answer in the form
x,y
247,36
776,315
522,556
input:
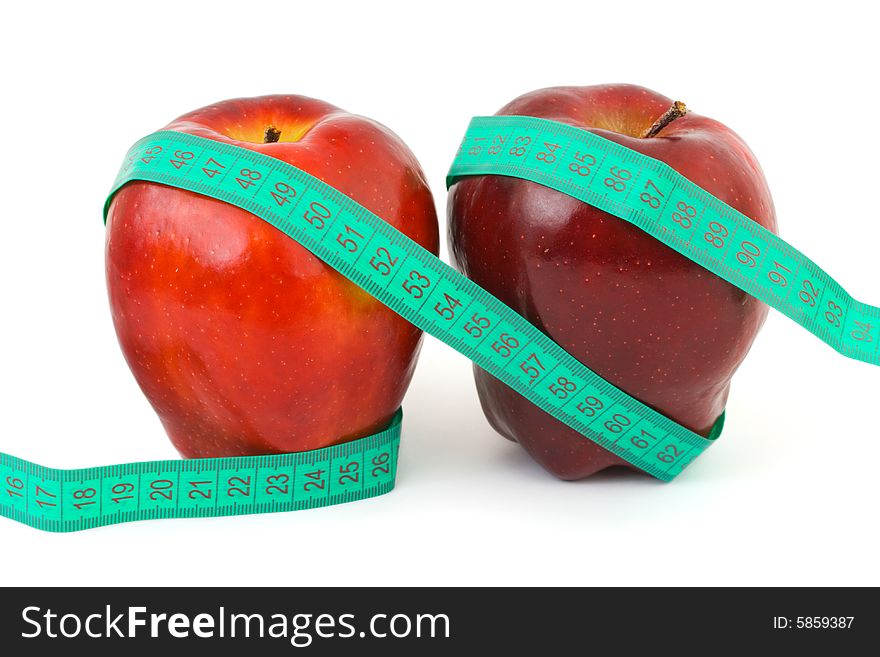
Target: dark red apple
x,y
242,340
642,316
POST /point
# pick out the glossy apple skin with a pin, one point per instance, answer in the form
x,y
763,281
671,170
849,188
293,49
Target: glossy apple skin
x,y
243,341
636,312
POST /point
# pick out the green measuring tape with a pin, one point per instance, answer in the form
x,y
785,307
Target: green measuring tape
x,y
439,300
71,500
669,207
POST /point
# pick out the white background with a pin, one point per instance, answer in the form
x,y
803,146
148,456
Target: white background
x,y
788,496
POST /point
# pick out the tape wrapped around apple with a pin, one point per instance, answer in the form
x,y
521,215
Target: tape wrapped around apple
x,y
639,314
243,341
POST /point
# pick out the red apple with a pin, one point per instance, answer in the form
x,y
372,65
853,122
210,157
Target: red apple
x,y
242,340
642,316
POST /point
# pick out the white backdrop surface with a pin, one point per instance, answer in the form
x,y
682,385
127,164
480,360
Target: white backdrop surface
x,y
788,496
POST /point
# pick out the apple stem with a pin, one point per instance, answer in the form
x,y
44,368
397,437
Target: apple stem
x,y
677,111
272,135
